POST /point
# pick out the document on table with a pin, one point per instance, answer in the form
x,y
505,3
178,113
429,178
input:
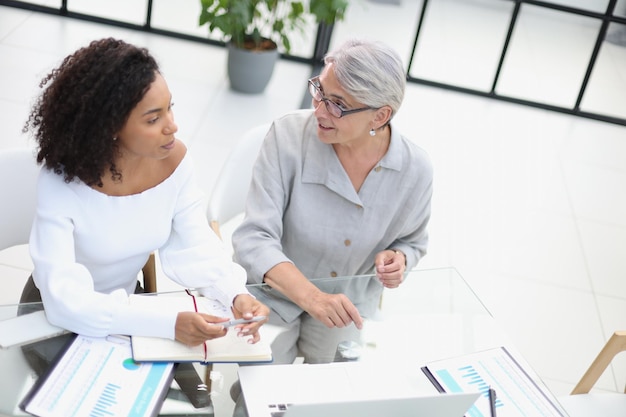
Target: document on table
x,y
517,394
98,377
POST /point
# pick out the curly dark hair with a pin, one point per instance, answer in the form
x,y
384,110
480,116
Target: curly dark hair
x,y
87,100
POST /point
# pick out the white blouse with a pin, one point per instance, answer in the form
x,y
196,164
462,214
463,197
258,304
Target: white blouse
x,y
88,247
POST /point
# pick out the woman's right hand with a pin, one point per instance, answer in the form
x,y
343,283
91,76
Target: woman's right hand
x,y
193,328
334,310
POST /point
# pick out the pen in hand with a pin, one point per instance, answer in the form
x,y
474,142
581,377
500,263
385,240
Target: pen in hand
x,y
235,322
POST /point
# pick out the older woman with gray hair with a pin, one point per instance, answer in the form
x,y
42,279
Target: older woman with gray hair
x,y
336,191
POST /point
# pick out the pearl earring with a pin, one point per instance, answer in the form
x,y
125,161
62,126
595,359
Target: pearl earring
x,y
372,132
115,138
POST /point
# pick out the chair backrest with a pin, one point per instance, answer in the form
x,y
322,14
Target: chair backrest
x,y
615,345
228,197
18,172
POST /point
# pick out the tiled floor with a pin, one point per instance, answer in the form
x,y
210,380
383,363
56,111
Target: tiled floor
x,y
529,205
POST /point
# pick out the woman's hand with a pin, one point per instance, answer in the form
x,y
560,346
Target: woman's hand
x,y
246,307
193,328
390,267
334,310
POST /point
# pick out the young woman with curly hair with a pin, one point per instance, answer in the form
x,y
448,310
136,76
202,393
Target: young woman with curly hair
x,y
116,185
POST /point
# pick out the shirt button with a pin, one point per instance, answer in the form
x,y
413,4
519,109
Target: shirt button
x,y
333,274
359,206
378,168
347,242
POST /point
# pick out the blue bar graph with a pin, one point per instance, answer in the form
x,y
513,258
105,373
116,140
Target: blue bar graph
x,y
473,378
516,393
453,386
469,377
106,401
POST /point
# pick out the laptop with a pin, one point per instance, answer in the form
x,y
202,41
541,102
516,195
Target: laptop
x,y
345,389
436,405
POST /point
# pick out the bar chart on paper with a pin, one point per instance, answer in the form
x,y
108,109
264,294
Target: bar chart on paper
x,y
97,377
105,404
471,377
517,394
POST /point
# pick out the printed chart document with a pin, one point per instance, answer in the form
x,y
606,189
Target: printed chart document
x,y
230,348
98,377
517,395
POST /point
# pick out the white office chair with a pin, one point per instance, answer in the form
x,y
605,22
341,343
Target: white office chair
x,y
19,172
584,403
228,198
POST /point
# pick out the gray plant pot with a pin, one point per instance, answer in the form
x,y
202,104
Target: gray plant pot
x,y
250,71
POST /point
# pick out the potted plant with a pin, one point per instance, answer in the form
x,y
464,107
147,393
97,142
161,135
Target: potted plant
x,y
258,29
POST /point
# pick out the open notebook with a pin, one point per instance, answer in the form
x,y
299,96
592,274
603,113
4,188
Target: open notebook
x,y
230,348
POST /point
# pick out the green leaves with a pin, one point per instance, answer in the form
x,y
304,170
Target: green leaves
x,y
241,20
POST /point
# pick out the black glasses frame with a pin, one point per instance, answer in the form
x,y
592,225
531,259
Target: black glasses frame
x,y
333,108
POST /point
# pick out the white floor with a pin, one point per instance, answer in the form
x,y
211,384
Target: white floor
x,y
529,205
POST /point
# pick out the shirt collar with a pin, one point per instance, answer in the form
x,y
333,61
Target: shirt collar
x,y
321,166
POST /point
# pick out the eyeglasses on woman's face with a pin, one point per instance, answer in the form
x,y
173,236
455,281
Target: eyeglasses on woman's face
x,y
333,108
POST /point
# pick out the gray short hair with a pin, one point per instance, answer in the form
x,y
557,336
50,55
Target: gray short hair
x,y
370,71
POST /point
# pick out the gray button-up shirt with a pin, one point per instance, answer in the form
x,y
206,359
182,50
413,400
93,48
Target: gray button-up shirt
x,y
302,208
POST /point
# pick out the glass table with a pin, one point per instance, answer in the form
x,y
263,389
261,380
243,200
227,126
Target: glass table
x,y
433,315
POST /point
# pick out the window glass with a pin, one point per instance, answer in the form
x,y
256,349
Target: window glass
x,y
548,56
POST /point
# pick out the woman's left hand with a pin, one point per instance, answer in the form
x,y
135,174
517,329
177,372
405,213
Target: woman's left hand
x,y
246,307
390,267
